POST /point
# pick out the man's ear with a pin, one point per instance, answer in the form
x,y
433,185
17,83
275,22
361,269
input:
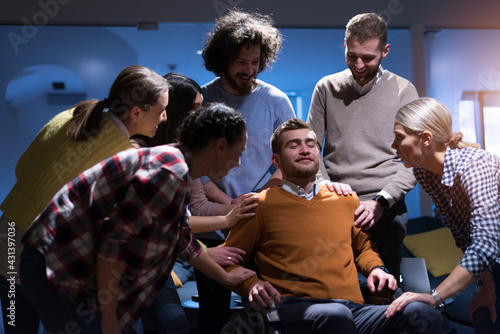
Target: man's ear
x,y
386,50
276,160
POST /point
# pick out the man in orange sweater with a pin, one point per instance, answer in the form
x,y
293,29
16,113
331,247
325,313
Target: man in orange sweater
x,y
308,251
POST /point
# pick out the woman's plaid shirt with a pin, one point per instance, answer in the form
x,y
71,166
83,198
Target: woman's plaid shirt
x,y
130,207
467,196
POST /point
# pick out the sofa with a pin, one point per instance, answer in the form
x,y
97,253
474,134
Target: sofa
x,y
428,238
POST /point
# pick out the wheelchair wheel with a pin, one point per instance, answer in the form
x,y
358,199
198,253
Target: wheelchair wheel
x,y
245,322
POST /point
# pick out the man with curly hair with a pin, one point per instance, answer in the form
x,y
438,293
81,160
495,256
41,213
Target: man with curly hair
x,y
239,47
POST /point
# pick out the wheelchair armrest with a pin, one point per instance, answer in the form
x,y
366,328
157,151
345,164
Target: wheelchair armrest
x,y
272,317
248,320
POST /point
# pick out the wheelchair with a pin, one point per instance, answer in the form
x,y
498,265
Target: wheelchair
x,y
250,321
267,321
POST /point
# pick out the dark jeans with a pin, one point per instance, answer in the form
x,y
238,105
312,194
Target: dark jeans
x,y
56,314
19,317
166,312
214,300
318,316
388,234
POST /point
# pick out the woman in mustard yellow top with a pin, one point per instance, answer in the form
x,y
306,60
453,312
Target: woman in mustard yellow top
x,y
70,143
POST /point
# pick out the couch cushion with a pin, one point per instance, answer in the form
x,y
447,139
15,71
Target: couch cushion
x,y
438,249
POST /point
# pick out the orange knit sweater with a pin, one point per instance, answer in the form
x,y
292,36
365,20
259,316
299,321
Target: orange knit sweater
x,y
306,248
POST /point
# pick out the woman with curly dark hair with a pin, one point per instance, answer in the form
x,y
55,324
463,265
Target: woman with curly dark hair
x,y
117,228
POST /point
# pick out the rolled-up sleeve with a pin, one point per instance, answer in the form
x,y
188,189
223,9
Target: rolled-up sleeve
x,y
480,182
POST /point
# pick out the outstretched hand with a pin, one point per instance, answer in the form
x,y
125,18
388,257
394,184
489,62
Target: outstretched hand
x,y
241,210
241,198
407,298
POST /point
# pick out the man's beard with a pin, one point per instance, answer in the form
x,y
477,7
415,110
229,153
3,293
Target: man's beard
x,y
299,173
367,77
242,90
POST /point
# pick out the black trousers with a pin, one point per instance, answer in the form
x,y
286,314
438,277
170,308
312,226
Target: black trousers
x,y
388,234
25,317
214,299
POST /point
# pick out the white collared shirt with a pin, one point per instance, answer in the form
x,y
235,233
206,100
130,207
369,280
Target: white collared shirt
x,y
299,191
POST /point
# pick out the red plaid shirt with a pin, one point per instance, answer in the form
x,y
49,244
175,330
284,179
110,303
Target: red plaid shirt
x,y
130,207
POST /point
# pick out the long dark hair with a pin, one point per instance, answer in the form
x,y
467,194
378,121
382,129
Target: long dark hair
x,y
135,86
181,96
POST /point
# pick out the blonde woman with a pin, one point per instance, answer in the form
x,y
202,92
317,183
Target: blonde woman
x,y
463,182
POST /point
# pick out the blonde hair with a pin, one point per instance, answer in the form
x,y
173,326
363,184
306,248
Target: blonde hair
x,y
428,114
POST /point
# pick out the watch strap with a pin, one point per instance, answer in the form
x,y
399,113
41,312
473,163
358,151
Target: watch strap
x,y
382,201
439,301
380,267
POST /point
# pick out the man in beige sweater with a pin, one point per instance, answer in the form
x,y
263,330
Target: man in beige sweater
x,y
308,252
352,113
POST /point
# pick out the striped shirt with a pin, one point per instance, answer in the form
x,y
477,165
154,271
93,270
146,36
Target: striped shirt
x,y
130,207
467,196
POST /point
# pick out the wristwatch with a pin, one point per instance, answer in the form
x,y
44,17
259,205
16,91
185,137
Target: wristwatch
x,y
439,302
381,201
380,267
